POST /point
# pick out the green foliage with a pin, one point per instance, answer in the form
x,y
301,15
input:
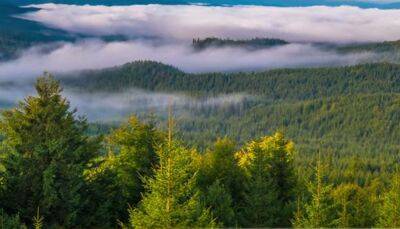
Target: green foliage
x,y
38,220
12,222
356,206
279,84
271,184
172,198
44,154
117,180
222,181
219,200
390,210
329,109
320,211
47,159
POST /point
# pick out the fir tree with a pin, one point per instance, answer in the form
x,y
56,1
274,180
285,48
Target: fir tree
x,y
354,206
320,211
390,210
172,198
45,151
271,182
219,200
116,183
220,173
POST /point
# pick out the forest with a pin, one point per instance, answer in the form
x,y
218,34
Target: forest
x,y
54,174
319,108
311,145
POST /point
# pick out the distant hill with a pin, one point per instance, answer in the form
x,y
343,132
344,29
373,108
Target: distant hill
x,y
353,109
17,34
303,83
386,46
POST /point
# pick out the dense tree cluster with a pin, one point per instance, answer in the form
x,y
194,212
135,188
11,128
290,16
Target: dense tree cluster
x,y
279,84
53,174
251,44
351,113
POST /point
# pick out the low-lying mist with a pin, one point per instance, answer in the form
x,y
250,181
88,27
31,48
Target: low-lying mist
x,y
164,34
110,107
96,54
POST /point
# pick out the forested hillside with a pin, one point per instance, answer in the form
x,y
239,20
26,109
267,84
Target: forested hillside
x,y
293,84
344,110
54,175
17,34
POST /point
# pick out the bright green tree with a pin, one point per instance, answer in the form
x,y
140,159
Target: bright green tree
x,y
390,210
172,199
44,153
271,182
320,211
116,183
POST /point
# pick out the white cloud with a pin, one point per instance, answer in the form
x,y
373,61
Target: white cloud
x,y
317,23
94,54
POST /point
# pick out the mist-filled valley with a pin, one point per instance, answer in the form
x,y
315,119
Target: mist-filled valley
x,y
213,114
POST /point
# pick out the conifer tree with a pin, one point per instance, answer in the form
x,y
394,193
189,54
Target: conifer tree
x,y
172,198
271,182
354,206
220,173
116,183
45,151
219,200
390,210
320,211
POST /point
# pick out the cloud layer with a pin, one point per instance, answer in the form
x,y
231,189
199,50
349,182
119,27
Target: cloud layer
x,y
95,54
317,23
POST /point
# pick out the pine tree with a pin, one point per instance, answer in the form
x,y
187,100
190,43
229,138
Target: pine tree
x,y
219,200
271,182
45,151
172,198
390,210
116,183
354,206
220,173
320,211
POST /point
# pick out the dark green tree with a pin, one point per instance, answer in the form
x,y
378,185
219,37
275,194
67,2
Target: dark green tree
x,y
220,173
44,153
271,182
355,207
219,200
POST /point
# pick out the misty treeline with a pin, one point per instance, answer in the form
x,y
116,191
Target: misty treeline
x,y
251,44
54,175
